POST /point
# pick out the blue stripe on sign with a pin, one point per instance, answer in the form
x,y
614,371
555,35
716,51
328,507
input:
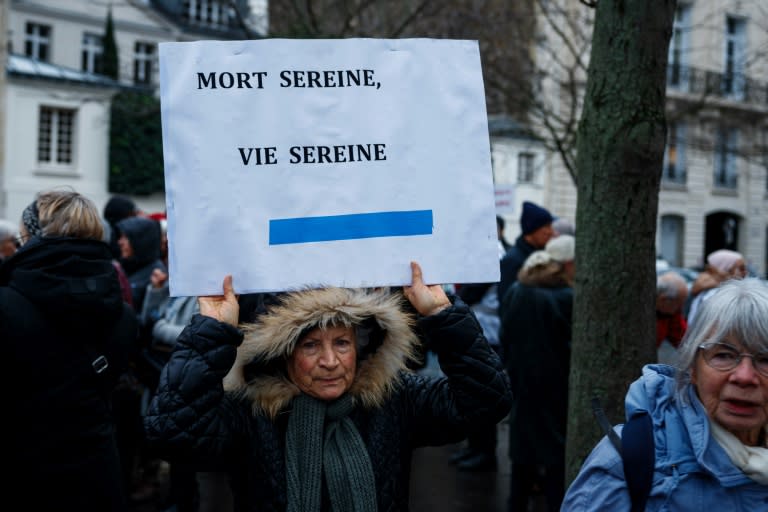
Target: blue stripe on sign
x,y
349,227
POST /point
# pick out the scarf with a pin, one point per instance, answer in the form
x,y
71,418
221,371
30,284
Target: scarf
x,y
31,220
322,441
752,460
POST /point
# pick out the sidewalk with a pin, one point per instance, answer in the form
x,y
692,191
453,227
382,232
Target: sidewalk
x,y
436,484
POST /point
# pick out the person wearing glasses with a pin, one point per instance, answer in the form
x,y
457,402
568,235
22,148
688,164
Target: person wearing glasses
x,y
710,416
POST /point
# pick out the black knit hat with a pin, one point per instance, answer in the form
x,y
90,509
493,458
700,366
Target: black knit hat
x,y
534,217
119,208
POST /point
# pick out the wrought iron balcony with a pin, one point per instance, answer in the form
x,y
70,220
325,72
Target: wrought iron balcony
x,y
730,86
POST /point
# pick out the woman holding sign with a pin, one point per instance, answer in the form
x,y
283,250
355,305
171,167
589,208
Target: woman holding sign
x,y
311,407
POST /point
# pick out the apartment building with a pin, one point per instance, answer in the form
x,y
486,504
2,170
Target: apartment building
x,y
521,170
714,188
56,104
714,183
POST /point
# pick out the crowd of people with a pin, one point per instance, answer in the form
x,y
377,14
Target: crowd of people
x,y
677,303
307,400
73,289
288,401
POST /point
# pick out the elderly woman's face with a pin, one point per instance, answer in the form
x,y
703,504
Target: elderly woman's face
x,y
324,362
737,399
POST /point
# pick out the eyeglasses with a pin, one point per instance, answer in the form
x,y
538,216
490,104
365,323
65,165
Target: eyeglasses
x,y
725,357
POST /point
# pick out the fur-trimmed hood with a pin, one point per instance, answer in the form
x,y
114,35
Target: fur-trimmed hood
x,y
260,367
549,275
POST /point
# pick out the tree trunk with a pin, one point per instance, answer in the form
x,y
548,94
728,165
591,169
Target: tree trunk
x,y
621,141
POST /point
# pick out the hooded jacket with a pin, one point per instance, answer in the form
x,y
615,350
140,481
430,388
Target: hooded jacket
x,y
60,309
227,408
144,235
692,470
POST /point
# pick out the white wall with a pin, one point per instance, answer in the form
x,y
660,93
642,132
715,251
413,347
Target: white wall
x,y
23,176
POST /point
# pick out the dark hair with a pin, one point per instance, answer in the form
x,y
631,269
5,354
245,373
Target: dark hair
x,y
370,336
253,305
500,222
118,208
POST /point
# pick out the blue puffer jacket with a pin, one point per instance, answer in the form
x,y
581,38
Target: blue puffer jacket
x,y
692,473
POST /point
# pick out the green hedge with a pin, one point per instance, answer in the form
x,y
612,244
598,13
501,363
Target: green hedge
x,y
135,145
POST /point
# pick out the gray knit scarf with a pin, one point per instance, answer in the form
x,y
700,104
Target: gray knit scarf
x,y
322,441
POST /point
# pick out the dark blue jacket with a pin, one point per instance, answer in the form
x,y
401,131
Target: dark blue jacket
x,y
145,236
511,264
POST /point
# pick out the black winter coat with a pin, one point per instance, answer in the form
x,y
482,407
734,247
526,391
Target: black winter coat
x,y
144,235
192,417
535,335
511,264
60,309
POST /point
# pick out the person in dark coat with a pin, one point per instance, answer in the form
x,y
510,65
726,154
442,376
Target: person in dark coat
x,y
536,230
140,245
479,454
536,336
66,334
312,407
117,208
139,241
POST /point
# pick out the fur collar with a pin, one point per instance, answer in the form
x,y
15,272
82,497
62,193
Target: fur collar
x,y
550,275
259,369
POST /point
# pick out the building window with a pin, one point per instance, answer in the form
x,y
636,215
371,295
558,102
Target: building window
x,y
143,61
525,169
735,51
672,237
55,139
674,156
37,41
92,54
206,13
677,72
726,142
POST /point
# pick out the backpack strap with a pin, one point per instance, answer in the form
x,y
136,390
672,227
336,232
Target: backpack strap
x,y
639,455
605,425
636,447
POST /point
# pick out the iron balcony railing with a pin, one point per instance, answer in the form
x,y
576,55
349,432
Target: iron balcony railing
x,y
731,86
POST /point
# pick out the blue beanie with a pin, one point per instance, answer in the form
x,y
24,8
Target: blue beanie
x,y
534,217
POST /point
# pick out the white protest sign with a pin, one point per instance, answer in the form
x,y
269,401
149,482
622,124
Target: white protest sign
x,y
304,163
